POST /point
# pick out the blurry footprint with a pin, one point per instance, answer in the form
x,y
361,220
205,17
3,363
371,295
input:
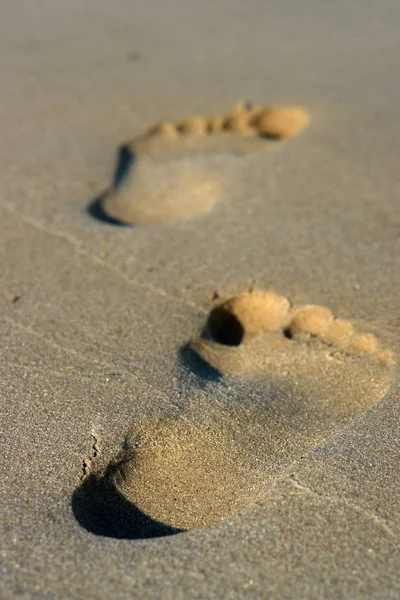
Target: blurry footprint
x,y
299,375
179,170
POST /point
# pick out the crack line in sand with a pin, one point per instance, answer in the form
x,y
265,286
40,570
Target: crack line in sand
x,y
87,461
371,515
30,330
79,248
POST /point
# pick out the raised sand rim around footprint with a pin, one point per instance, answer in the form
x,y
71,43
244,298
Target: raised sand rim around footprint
x,y
308,374
176,171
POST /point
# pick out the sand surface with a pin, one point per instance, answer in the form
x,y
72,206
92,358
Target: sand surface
x,y
97,318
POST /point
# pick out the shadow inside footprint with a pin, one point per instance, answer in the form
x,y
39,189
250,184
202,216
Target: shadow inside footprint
x,y
176,171
225,327
126,159
101,509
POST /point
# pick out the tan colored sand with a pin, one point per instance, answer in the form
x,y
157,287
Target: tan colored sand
x,y
257,313
174,176
362,344
310,320
164,128
158,193
276,121
215,124
252,313
338,332
313,219
238,123
154,194
282,122
191,473
386,357
193,125
254,113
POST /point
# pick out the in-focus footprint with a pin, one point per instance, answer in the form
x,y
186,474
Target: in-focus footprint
x,y
179,170
293,377
258,330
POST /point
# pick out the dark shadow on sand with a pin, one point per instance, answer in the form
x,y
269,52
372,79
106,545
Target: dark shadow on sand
x,y
126,159
192,361
95,210
101,509
225,327
125,162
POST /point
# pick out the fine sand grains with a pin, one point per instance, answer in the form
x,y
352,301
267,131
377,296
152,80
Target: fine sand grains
x,y
303,373
176,171
191,471
253,314
247,315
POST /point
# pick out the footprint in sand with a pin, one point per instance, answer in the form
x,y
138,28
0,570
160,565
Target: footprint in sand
x,y
179,170
297,375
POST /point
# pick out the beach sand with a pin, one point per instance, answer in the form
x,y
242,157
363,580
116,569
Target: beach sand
x,y
149,449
